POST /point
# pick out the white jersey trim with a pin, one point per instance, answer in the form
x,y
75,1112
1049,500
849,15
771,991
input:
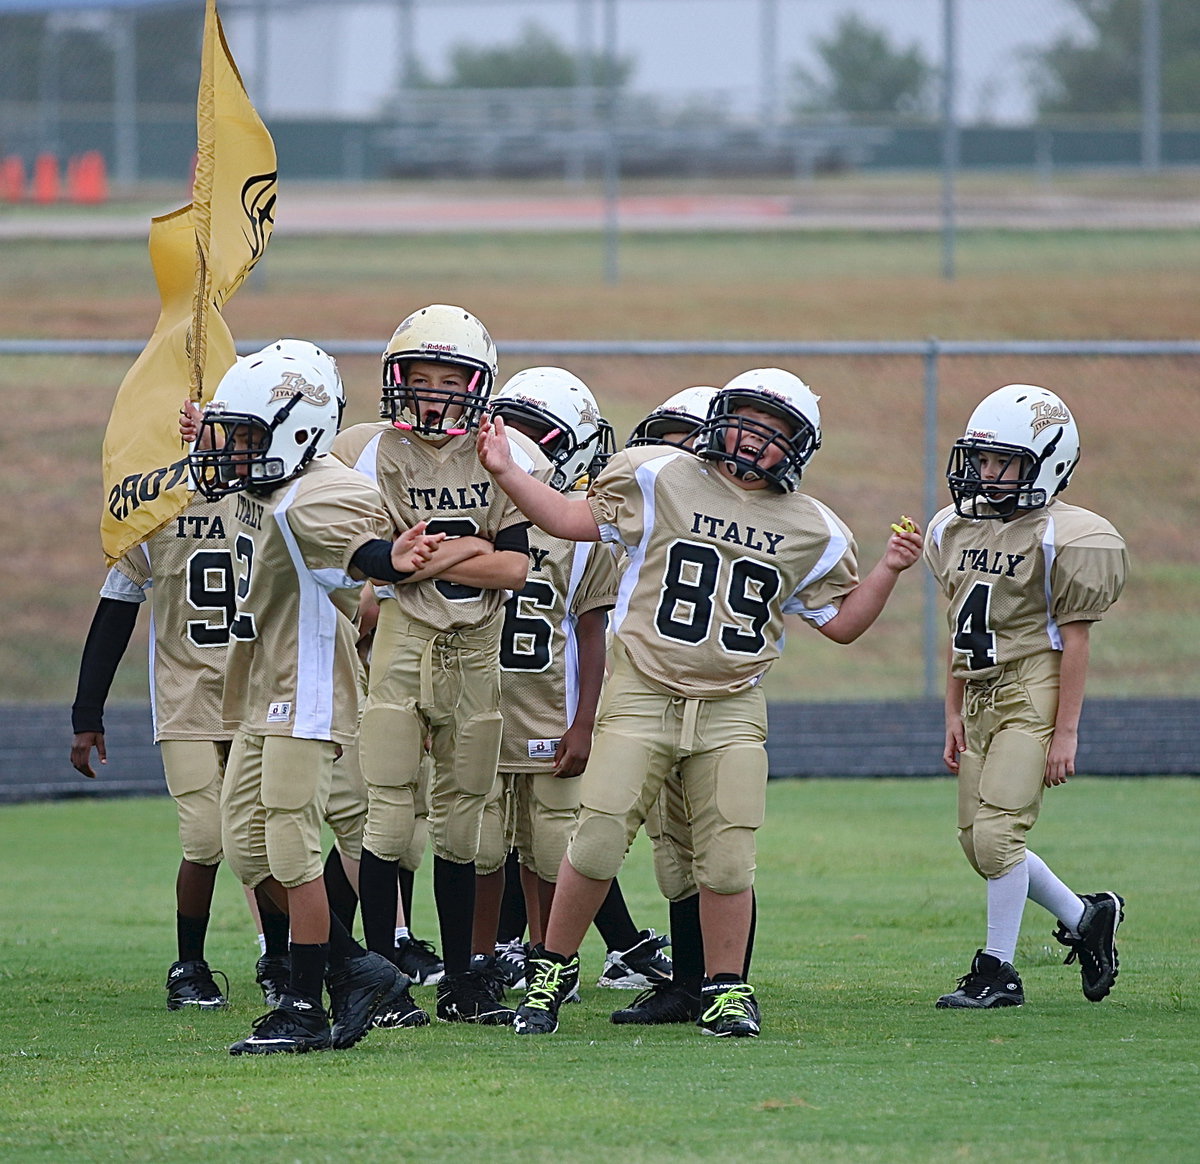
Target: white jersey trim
x,y
316,634
1048,555
122,589
834,551
646,475
936,531
579,561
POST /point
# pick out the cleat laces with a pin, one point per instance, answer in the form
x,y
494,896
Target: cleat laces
x,y
542,992
731,1003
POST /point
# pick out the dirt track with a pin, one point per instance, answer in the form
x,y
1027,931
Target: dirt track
x,y
376,209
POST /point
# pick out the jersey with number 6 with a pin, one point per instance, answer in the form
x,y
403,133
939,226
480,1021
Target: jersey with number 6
x,y
713,568
1012,584
293,669
539,653
447,487
189,570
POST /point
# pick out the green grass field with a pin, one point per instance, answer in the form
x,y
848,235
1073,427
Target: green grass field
x,y
867,913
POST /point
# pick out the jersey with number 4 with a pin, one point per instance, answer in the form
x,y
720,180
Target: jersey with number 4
x,y
539,651
1012,584
293,669
713,568
446,487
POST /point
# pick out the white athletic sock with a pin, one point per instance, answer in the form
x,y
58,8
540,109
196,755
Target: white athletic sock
x,y
1005,903
262,945
402,934
1051,894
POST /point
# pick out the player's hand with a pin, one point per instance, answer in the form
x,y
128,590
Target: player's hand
x,y
189,422
1060,760
956,742
571,755
411,550
81,752
904,546
492,446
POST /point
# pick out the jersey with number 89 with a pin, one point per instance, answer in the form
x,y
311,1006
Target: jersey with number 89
x,y
713,568
1011,585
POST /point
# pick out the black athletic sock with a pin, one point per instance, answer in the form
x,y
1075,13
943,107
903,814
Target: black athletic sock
x,y
343,901
750,935
406,877
308,970
513,920
342,945
377,889
687,943
275,924
614,923
725,979
454,893
190,933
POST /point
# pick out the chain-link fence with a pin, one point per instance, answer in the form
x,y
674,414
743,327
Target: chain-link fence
x,y
890,412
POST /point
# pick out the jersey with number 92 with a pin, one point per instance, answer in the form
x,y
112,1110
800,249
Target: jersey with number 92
x,y
713,568
189,569
1011,585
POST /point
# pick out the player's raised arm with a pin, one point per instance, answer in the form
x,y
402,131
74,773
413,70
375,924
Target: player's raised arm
x,y
862,606
559,516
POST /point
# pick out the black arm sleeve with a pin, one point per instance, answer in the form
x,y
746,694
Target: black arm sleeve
x,y
374,559
513,537
112,625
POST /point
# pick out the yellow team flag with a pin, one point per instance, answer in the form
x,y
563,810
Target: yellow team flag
x,y
201,254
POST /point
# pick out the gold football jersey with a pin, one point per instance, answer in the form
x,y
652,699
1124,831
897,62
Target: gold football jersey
x,y
189,571
1012,584
713,568
293,669
539,653
448,488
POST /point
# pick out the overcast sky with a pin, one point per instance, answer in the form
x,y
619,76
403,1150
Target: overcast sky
x,y
346,57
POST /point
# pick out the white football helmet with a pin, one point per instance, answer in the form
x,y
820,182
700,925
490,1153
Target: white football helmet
x,y
675,421
779,393
564,420
1029,427
322,361
439,334
271,414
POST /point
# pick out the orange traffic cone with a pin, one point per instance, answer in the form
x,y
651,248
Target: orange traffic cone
x,y
87,180
45,179
12,179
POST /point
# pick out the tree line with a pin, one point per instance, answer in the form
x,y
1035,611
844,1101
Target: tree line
x,y
860,68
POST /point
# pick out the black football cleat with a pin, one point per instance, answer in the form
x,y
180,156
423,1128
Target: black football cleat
x,y
295,1026
191,984
729,1010
989,983
273,975
663,1003
1095,945
356,992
